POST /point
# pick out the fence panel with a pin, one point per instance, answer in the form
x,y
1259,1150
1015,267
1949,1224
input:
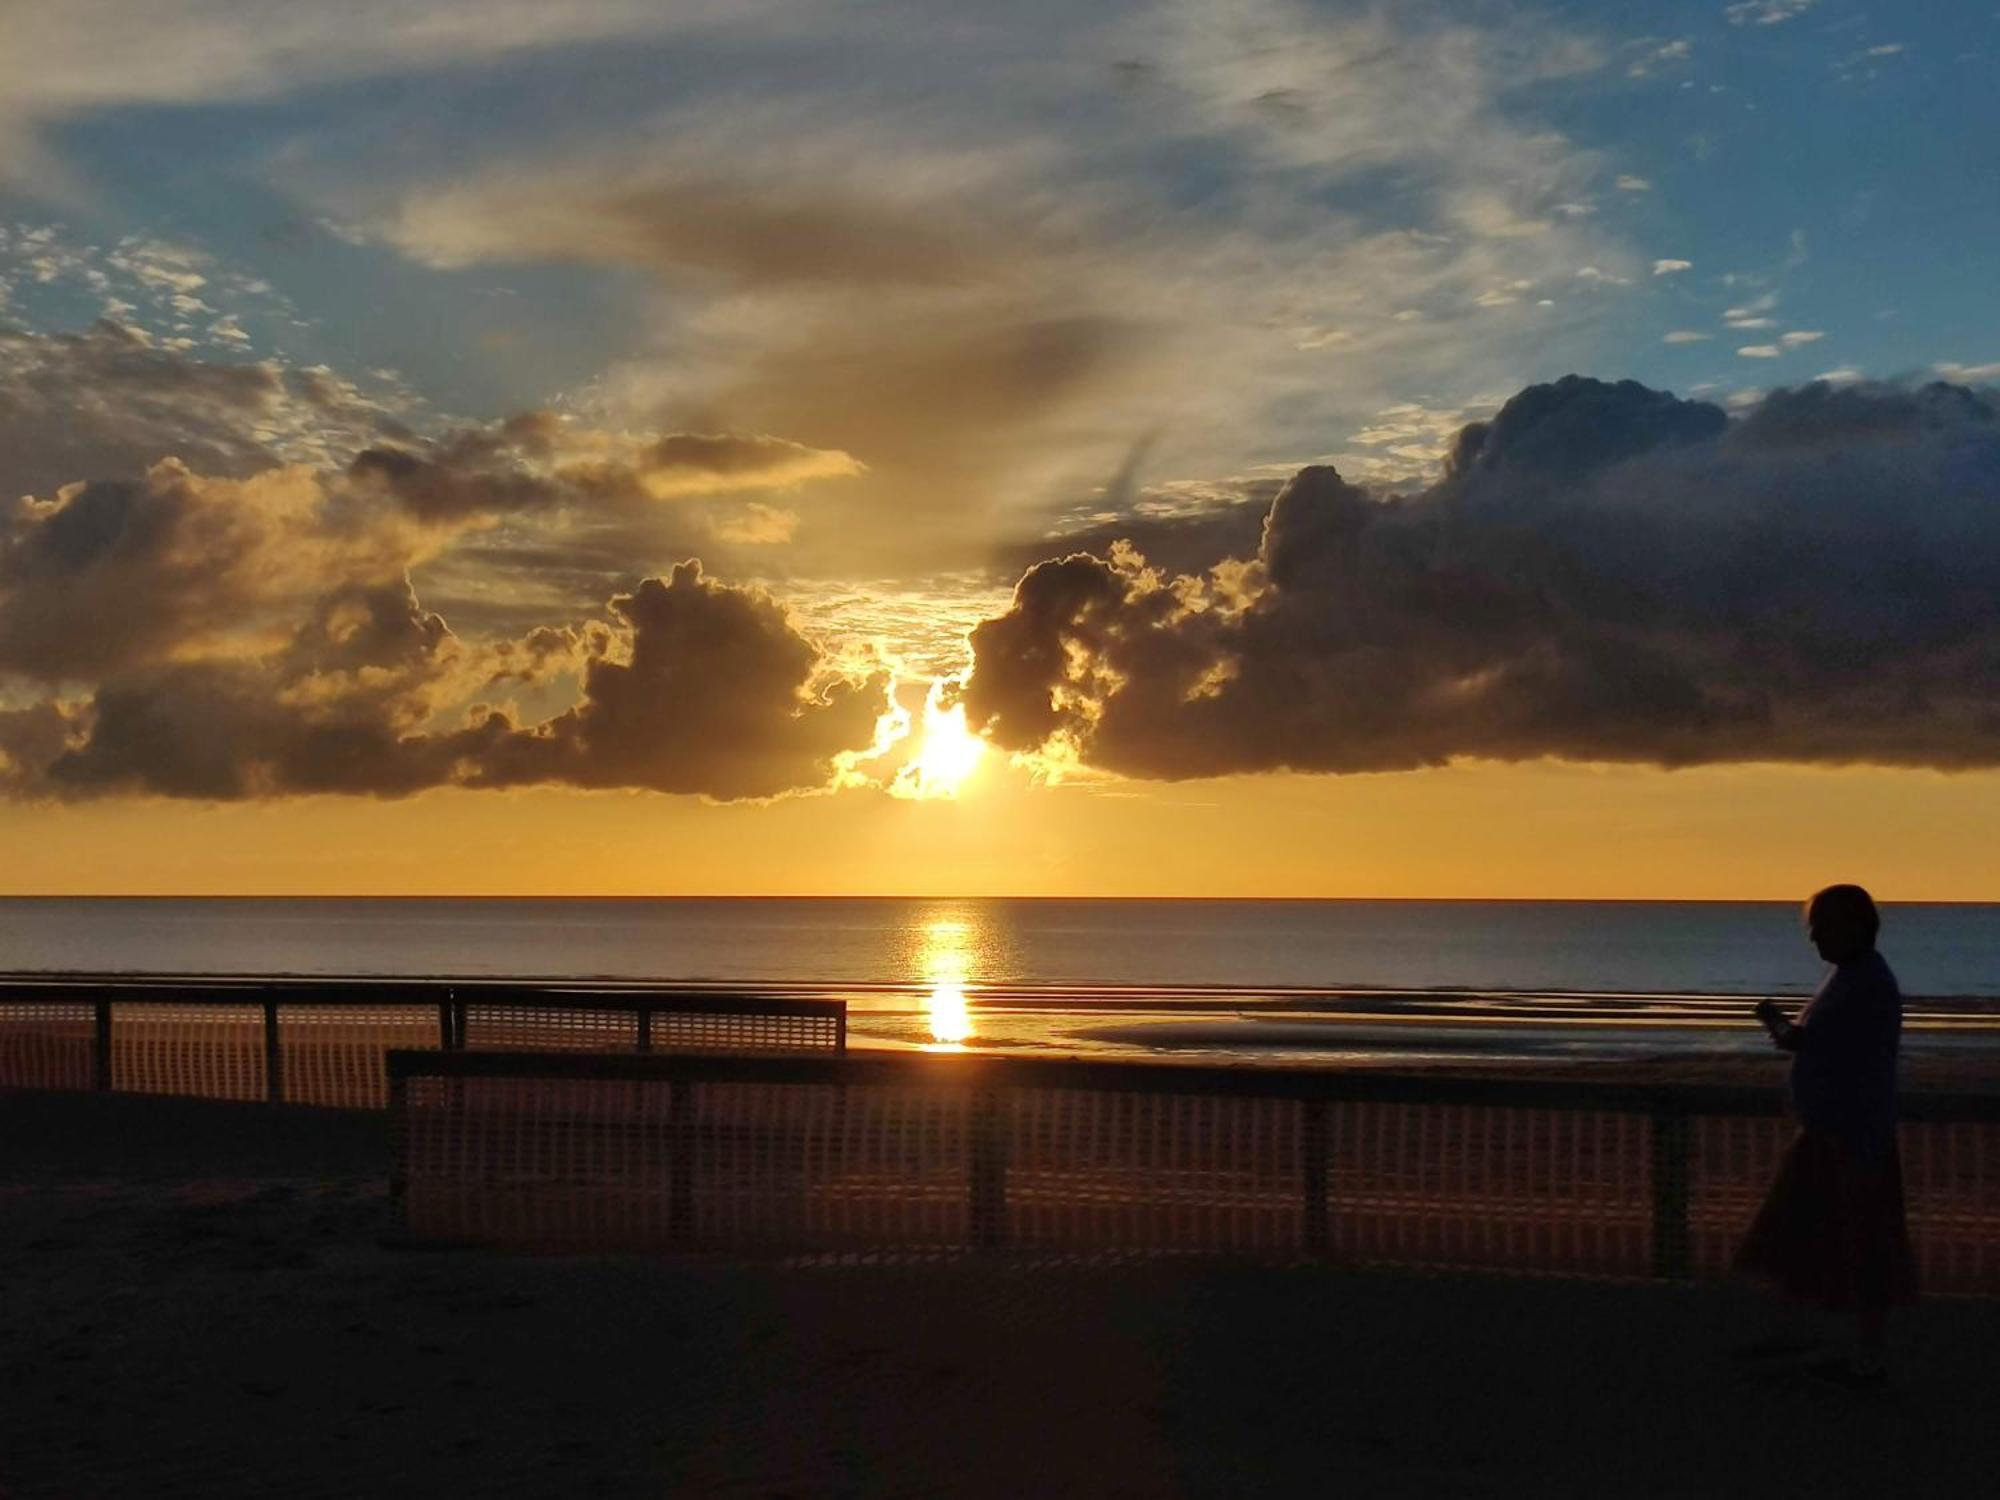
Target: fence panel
x,y
543,1163
326,1041
1152,1171
1731,1160
898,1152
214,1049
1455,1184
517,1027
46,1044
335,1054
820,1166
1953,1195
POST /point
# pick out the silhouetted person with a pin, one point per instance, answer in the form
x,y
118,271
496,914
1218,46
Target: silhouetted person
x,y
1831,1231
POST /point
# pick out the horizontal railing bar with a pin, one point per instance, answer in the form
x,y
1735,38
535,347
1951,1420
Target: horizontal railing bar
x,y
363,995
1146,1077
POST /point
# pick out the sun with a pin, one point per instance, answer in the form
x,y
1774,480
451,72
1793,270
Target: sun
x,y
947,752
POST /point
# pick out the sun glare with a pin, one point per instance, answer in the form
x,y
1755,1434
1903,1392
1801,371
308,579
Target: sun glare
x,y
947,752
947,965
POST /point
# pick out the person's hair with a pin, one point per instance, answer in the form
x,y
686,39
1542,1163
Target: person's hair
x,y
1847,904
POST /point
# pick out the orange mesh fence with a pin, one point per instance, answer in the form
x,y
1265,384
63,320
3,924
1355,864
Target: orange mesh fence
x,y
324,1042
46,1044
334,1054
543,1028
1143,1171
509,1018
904,1154
688,1030
1484,1185
1951,1175
213,1049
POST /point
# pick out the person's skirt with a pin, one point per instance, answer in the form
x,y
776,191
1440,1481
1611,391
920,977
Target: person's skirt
x,y
1832,1229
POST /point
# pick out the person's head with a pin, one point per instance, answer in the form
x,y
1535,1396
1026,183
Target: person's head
x,y
1842,922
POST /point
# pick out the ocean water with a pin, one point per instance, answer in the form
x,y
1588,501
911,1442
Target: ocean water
x,y
1223,978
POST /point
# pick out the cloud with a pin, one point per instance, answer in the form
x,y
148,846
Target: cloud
x,y
30,740
1604,573
107,574
809,230
1766,12
1760,351
108,403
911,309
1685,336
1627,183
238,636
695,688
334,711
539,461
1800,336
1671,267
717,694
983,286
1660,56
66,61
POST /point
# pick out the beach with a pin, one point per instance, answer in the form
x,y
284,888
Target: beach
x,y
200,1298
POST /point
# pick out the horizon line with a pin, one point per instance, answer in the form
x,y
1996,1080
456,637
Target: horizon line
x,y
893,896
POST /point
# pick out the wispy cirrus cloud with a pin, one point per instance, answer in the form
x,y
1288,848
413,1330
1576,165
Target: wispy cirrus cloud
x,y
63,62
1766,12
987,319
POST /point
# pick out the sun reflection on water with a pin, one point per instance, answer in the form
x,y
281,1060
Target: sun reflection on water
x,y
945,961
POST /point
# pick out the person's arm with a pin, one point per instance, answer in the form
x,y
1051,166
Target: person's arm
x,y
1837,1023
1786,1035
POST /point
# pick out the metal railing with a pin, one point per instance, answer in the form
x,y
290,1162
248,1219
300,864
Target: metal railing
x,y
309,1041
925,1153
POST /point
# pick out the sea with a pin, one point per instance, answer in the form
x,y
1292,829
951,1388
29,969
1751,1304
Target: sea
x,y
1239,980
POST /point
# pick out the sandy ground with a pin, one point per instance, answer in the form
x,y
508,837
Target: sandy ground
x,y
202,1299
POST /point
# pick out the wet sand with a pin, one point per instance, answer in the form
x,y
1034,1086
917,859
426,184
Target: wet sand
x,y
203,1299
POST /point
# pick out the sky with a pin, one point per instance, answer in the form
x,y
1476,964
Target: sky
x,y
1262,448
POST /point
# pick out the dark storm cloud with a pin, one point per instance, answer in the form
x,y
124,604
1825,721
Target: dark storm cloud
x,y
699,688
1603,573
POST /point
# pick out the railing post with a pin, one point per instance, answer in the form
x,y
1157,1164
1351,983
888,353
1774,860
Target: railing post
x,y
987,1174
274,1057
1671,1257
1315,1222
645,1029
100,1048
680,1161
840,1029
399,1151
